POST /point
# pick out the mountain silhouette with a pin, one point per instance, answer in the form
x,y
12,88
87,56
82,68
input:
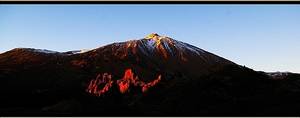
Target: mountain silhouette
x,y
152,76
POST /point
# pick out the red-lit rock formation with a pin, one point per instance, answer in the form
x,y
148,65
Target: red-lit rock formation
x,y
104,80
129,79
124,84
145,87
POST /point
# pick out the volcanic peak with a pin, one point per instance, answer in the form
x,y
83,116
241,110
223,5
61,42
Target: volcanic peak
x,y
152,36
156,40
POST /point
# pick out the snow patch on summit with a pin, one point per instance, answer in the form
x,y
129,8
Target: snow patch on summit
x,y
150,44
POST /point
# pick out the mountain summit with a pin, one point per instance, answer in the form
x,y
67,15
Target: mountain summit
x,y
158,53
151,36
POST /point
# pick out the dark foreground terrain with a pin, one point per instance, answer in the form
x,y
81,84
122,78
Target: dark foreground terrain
x,y
154,76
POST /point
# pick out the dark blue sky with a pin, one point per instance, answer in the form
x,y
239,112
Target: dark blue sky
x,y
262,37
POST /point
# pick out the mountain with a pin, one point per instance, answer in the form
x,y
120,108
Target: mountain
x,y
152,76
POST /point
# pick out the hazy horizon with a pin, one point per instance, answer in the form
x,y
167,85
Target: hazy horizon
x,y
261,37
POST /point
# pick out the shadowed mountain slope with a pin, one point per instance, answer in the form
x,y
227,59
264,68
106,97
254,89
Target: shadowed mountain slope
x,y
152,76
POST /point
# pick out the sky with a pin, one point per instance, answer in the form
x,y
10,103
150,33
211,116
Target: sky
x,y
261,37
